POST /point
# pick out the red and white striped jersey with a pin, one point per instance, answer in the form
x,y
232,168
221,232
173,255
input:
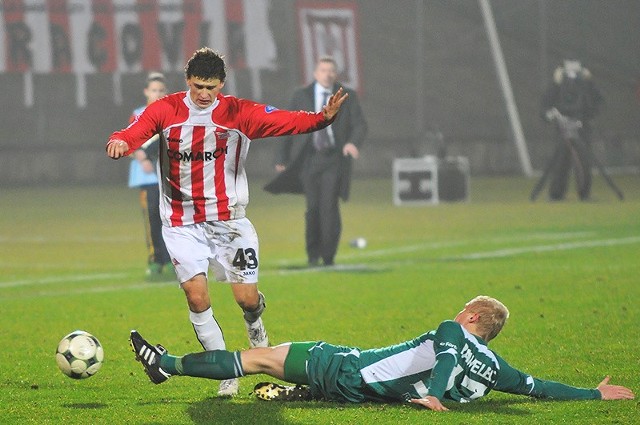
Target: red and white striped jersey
x,y
203,151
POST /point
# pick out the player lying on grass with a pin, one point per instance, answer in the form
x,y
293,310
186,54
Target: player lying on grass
x,y
451,363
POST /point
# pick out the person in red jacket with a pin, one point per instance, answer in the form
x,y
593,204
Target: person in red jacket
x,y
204,139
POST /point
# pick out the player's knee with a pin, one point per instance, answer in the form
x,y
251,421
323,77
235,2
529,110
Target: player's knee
x,y
198,304
197,299
253,311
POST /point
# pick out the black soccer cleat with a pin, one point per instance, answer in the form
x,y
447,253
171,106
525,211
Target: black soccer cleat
x,y
274,392
149,355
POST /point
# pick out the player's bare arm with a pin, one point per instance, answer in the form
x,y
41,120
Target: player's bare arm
x,y
332,107
117,148
608,392
614,392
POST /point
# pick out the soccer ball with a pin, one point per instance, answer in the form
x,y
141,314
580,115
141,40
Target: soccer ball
x,y
79,355
359,243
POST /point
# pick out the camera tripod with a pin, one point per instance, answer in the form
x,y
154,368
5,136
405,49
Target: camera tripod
x,y
570,133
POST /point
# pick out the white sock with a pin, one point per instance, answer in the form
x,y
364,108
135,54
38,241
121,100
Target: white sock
x,y
207,330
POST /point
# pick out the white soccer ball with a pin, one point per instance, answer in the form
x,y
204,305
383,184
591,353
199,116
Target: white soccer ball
x,y
359,243
79,355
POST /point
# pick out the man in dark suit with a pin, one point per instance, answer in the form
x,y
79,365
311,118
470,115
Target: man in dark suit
x,y
322,167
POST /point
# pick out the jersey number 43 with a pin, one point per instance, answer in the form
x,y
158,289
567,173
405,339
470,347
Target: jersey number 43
x,y
245,259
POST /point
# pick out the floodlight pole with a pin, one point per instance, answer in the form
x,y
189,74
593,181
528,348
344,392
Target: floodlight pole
x,y
419,90
544,43
505,85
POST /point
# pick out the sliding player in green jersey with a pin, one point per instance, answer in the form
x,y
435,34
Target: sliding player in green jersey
x,y
452,363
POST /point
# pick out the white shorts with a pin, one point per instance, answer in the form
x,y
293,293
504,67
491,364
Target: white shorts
x,y
230,248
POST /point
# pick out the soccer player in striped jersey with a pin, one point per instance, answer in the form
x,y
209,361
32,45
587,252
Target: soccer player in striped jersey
x,y
451,363
204,139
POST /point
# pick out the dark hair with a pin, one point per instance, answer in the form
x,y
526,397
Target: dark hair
x,y
206,64
154,76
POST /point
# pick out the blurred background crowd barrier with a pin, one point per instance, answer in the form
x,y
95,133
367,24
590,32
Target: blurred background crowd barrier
x,y
71,72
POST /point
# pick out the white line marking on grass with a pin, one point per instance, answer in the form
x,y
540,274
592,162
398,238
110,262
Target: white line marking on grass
x,y
44,266
501,253
544,248
84,291
59,279
438,245
403,249
328,269
83,239
543,236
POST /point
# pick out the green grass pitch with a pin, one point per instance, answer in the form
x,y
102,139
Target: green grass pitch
x,y
74,259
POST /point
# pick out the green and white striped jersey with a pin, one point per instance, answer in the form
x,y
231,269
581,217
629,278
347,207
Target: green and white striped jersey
x,y
450,364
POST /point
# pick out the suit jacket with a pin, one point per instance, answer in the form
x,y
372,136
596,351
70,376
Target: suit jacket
x,y
348,127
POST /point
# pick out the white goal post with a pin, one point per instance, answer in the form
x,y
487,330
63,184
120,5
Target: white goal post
x,y
505,86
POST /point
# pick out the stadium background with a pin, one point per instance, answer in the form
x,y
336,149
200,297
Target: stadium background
x,y
53,126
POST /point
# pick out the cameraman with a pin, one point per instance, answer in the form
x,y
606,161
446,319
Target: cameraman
x,y
572,100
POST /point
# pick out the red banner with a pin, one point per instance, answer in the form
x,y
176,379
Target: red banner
x,y
88,36
129,36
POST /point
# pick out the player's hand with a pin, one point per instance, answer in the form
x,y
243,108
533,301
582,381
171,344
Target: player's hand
x,y
280,168
430,402
333,105
614,392
350,150
117,148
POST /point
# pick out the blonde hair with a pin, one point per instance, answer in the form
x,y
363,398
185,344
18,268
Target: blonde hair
x,y
492,315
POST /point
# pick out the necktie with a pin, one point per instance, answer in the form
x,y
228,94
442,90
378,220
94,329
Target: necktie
x,y
321,138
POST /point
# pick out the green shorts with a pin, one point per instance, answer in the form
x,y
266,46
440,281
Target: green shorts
x,y
331,371
295,364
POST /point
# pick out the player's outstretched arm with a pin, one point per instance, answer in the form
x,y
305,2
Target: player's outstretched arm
x,y
430,402
333,105
614,392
